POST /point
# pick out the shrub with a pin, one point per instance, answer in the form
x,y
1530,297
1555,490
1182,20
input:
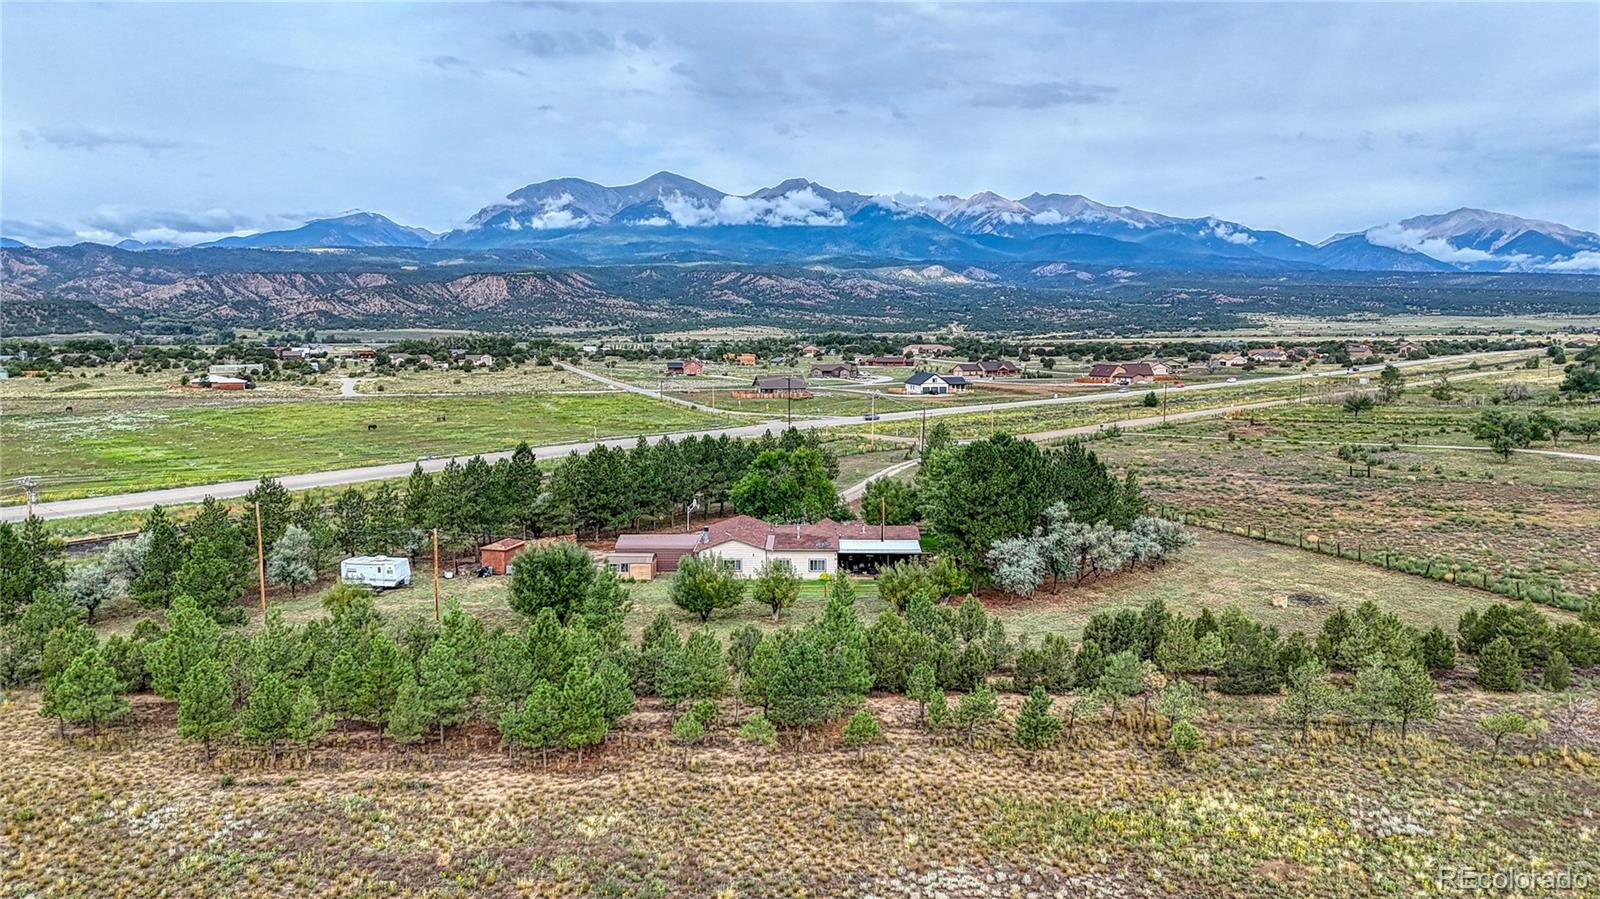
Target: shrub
x,y
1557,672
757,729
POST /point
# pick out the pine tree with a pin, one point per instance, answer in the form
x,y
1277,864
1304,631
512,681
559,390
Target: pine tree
x,y
1413,699
700,671
205,705
307,720
687,730
1088,665
1438,650
1185,740
209,578
265,718
342,689
446,686
163,556
1036,727
583,708
1309,697
861,731
381,676
191,636
1375,684
86,692
921,686
978,708
939,715
1499,667
410,716
1557,672
1121,678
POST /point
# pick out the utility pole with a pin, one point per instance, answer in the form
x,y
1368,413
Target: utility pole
x,y
1166,387
922,439
882,516
261,562
435,575
789,393
30,486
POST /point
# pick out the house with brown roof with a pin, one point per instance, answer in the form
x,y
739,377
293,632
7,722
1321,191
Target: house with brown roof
x,y
835,370
885,360
780,386
1228,360
1358,350
826,547
988,368
927,349
1126,373
687,368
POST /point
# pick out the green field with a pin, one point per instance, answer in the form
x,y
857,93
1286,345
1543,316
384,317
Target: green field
x,y
88,453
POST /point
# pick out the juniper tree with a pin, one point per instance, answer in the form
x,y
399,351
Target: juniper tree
x,y
205,705
687,730
759,730
1036,727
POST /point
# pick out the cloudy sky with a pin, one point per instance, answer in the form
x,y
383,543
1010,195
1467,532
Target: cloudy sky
x,y
194,120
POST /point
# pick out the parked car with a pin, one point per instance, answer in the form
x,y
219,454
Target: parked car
x,y
871,416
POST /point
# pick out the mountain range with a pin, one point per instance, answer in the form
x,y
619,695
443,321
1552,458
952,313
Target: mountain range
x,y
670,218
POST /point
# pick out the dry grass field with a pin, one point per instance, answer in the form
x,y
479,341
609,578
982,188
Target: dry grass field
x,y
1255,813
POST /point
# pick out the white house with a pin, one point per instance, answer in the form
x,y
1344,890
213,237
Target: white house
x,y
810,550
927,383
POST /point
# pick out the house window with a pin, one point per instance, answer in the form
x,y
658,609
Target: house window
x,y
738,565
818,566
785,564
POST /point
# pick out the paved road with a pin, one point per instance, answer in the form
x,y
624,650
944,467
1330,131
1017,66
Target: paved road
x,y
73,508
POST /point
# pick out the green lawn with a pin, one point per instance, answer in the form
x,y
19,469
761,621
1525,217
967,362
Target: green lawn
x,y
138,449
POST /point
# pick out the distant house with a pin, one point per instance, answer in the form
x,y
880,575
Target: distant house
x,y
812,351
399,358
1308,353
1228,360
1410,348
483,360
1268,354
928,349
780,385
927,383
740,358
222,382
687,368
835,370
885,360
989,368
1127,373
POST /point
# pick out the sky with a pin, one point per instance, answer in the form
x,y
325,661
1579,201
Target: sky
x,y
187,121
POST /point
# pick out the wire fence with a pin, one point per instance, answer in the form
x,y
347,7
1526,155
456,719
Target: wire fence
x,y
1540,590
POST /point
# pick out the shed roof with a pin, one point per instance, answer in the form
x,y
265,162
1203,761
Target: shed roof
x,y
506,544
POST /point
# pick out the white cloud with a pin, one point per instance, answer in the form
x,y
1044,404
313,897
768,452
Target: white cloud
x,y
1582,261
1225,231
802,207
1399,238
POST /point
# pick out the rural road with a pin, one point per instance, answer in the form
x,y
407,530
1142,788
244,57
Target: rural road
x,y
95,505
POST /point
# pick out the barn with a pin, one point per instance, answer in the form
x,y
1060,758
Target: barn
x,y
497,556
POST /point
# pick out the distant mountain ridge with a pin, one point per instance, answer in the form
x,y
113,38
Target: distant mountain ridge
x,y
670,218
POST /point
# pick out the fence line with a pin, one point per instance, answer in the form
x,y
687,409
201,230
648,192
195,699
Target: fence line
x,y
1538,591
